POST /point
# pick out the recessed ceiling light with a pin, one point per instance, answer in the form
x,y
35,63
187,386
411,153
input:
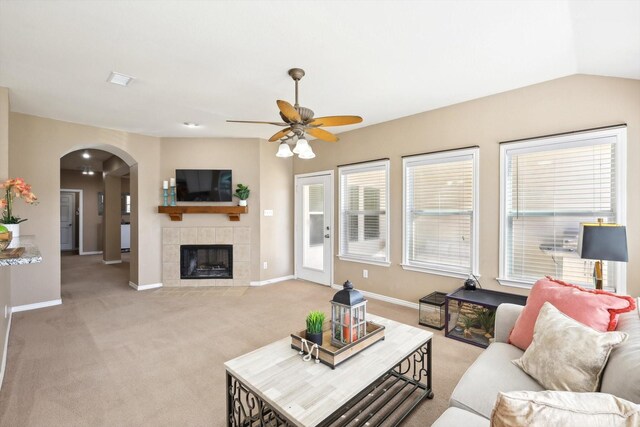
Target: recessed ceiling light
x,y
86,155
191,125
119,79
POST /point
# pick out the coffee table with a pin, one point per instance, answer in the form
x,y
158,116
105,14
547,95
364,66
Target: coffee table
x,y
273,386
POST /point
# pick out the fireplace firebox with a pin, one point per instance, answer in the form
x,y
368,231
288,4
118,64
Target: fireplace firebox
x,y
206,261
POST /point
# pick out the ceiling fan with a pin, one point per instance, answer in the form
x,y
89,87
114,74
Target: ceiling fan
x,y
300,120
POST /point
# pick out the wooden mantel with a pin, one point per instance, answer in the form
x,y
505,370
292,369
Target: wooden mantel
x,y
175,212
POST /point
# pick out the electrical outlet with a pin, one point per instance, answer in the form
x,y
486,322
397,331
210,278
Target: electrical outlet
x,y
365,274
6,311
265,265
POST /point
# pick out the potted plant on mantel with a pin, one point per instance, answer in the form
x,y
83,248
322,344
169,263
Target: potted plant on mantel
x,y
242,193
14,188
315,320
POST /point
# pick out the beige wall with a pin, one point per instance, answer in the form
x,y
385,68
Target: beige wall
x,y
276,194
562,105
5,272
242,156
35,146
90,185
111,224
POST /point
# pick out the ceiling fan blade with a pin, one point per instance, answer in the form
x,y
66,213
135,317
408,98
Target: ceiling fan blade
x,y
322,134
288,111
280,134
253,121
336,120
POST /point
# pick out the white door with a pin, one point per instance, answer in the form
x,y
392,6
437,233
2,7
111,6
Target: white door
x,y
67,217
314,227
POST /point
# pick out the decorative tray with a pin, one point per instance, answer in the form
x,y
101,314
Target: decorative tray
x,y
11,253
331,355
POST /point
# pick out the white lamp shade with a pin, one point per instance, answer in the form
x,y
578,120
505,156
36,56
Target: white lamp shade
x,y
307,154
301,146
284,150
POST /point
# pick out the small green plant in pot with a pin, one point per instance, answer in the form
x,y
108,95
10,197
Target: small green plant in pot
x,y
242,193
315,320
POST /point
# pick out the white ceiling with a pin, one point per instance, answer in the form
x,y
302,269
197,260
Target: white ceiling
x,y
208,61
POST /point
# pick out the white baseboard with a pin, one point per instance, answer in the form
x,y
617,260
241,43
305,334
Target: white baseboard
x,y
115,261
91,253
145,287
270,281
6,349
384,298
35,306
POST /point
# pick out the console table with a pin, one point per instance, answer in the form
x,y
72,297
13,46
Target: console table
x,y
464,305
273,386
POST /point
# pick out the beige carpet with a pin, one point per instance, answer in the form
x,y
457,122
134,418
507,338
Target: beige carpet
x,y
113,356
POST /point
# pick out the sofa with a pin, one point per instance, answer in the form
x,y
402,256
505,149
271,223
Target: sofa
x,y
475,394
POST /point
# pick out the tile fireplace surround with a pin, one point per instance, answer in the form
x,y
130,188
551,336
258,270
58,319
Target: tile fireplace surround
x,y
173,237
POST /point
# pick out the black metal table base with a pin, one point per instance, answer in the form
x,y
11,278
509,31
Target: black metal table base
x,y
387,401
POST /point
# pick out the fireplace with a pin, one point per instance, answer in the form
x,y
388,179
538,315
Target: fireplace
x,y
206,261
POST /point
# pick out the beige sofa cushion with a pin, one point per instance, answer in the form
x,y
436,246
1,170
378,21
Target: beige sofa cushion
x,y
622,373
563,408
491,373
565,354
455,417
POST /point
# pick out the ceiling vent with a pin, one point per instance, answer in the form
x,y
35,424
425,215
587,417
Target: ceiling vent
x,y
119,79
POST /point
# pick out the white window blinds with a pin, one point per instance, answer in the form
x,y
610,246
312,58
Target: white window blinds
x,y
549,187
440,212
364,219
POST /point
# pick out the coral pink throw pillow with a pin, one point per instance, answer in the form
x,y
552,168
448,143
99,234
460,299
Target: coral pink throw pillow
x,y
595,308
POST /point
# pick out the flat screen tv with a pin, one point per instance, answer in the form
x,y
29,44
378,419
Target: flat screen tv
x,y
203,185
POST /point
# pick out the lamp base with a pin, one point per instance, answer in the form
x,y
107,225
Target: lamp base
x,y
597,275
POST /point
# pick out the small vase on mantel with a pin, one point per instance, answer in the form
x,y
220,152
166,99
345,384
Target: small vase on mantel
x,y
14,229
242,203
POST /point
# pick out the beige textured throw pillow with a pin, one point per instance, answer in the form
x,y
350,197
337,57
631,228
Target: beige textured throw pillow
x,y
565,354
563,408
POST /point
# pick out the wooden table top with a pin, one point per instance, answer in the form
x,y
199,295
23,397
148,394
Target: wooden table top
x,y
307,392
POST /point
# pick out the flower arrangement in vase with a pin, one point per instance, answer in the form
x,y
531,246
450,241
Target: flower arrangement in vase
x,y
14,188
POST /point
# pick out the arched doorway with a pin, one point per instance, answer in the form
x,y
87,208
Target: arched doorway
x,y
98,191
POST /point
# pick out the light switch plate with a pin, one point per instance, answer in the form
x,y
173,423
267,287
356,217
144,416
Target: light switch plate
x,y
268,212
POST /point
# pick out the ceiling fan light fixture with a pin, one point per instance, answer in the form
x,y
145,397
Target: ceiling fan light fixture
x,y
301,146
307,154
284,150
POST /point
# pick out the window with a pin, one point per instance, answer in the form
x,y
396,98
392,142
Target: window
x,y
364,219
441,212
548,187
315,200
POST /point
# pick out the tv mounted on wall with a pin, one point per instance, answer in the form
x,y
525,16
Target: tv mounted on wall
x,y
203,185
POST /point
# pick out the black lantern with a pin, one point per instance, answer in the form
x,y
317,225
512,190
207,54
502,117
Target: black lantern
x,y
348,316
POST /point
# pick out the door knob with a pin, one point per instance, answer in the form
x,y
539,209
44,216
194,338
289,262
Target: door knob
x,y
326,236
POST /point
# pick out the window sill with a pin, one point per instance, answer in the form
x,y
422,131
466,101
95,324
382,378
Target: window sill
x,y
528,285
514,283
364,261
446,273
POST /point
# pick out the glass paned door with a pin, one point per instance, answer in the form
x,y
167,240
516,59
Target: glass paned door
x,y
313,228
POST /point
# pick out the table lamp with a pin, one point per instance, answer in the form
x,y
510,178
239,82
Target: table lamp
x,y
602,242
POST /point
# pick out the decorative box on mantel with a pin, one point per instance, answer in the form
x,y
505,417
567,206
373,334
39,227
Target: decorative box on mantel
x,y
175,212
